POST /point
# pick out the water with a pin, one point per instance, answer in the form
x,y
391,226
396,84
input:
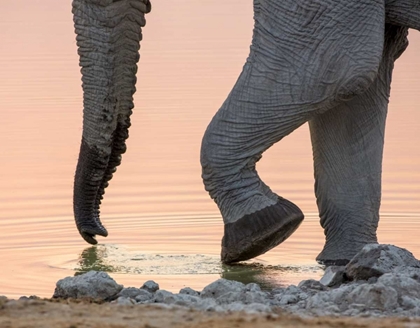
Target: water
x,y
162,224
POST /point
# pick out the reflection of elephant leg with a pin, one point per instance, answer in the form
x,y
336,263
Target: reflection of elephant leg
x,y
348,146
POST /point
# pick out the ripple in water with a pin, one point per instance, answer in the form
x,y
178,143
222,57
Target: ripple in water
x,y
112,258
117,259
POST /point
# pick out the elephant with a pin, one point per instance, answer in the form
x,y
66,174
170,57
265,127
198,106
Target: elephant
x,y
326,62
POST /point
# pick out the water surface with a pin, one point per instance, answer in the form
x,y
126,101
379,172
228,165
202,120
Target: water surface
x,y
162,224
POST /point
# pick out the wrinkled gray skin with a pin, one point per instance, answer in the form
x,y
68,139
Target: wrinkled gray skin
x,y
108,36
328,62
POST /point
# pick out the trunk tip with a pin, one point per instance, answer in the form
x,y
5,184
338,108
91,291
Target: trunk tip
x,y
89,233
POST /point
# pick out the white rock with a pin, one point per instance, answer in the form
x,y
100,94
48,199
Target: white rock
x,y
333,276
376,296
220,287
93,284
375,260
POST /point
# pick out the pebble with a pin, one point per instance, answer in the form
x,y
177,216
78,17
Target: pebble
x,y
333,276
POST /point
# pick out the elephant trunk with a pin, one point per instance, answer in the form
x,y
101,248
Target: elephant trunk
x,y
108,37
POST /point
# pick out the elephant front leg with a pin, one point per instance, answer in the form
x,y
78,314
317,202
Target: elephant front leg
x,y
249,122
348,147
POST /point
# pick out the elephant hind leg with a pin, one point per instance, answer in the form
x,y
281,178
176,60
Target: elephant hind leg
x,y
256,219
348,148
251,120
347,145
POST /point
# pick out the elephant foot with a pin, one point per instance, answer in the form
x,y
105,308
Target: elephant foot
x,y
340,254
256,233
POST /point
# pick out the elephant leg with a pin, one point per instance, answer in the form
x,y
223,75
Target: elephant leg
x,y
255,218
291,74
348,147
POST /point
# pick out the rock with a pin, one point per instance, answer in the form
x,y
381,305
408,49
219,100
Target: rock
x,y
162,306
409,303
150,286
93,284
333,309
243,297
189,291
403,284
209,305
329,299
391,294
230,297
255,297
26,298
376,296
375,260
333,276
412,272
252,308
187,300
311,285
288,299
292,294
252,287
279,290
124,301
292,290
372,280
220,287
235,307
163,296
144,296
130,292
